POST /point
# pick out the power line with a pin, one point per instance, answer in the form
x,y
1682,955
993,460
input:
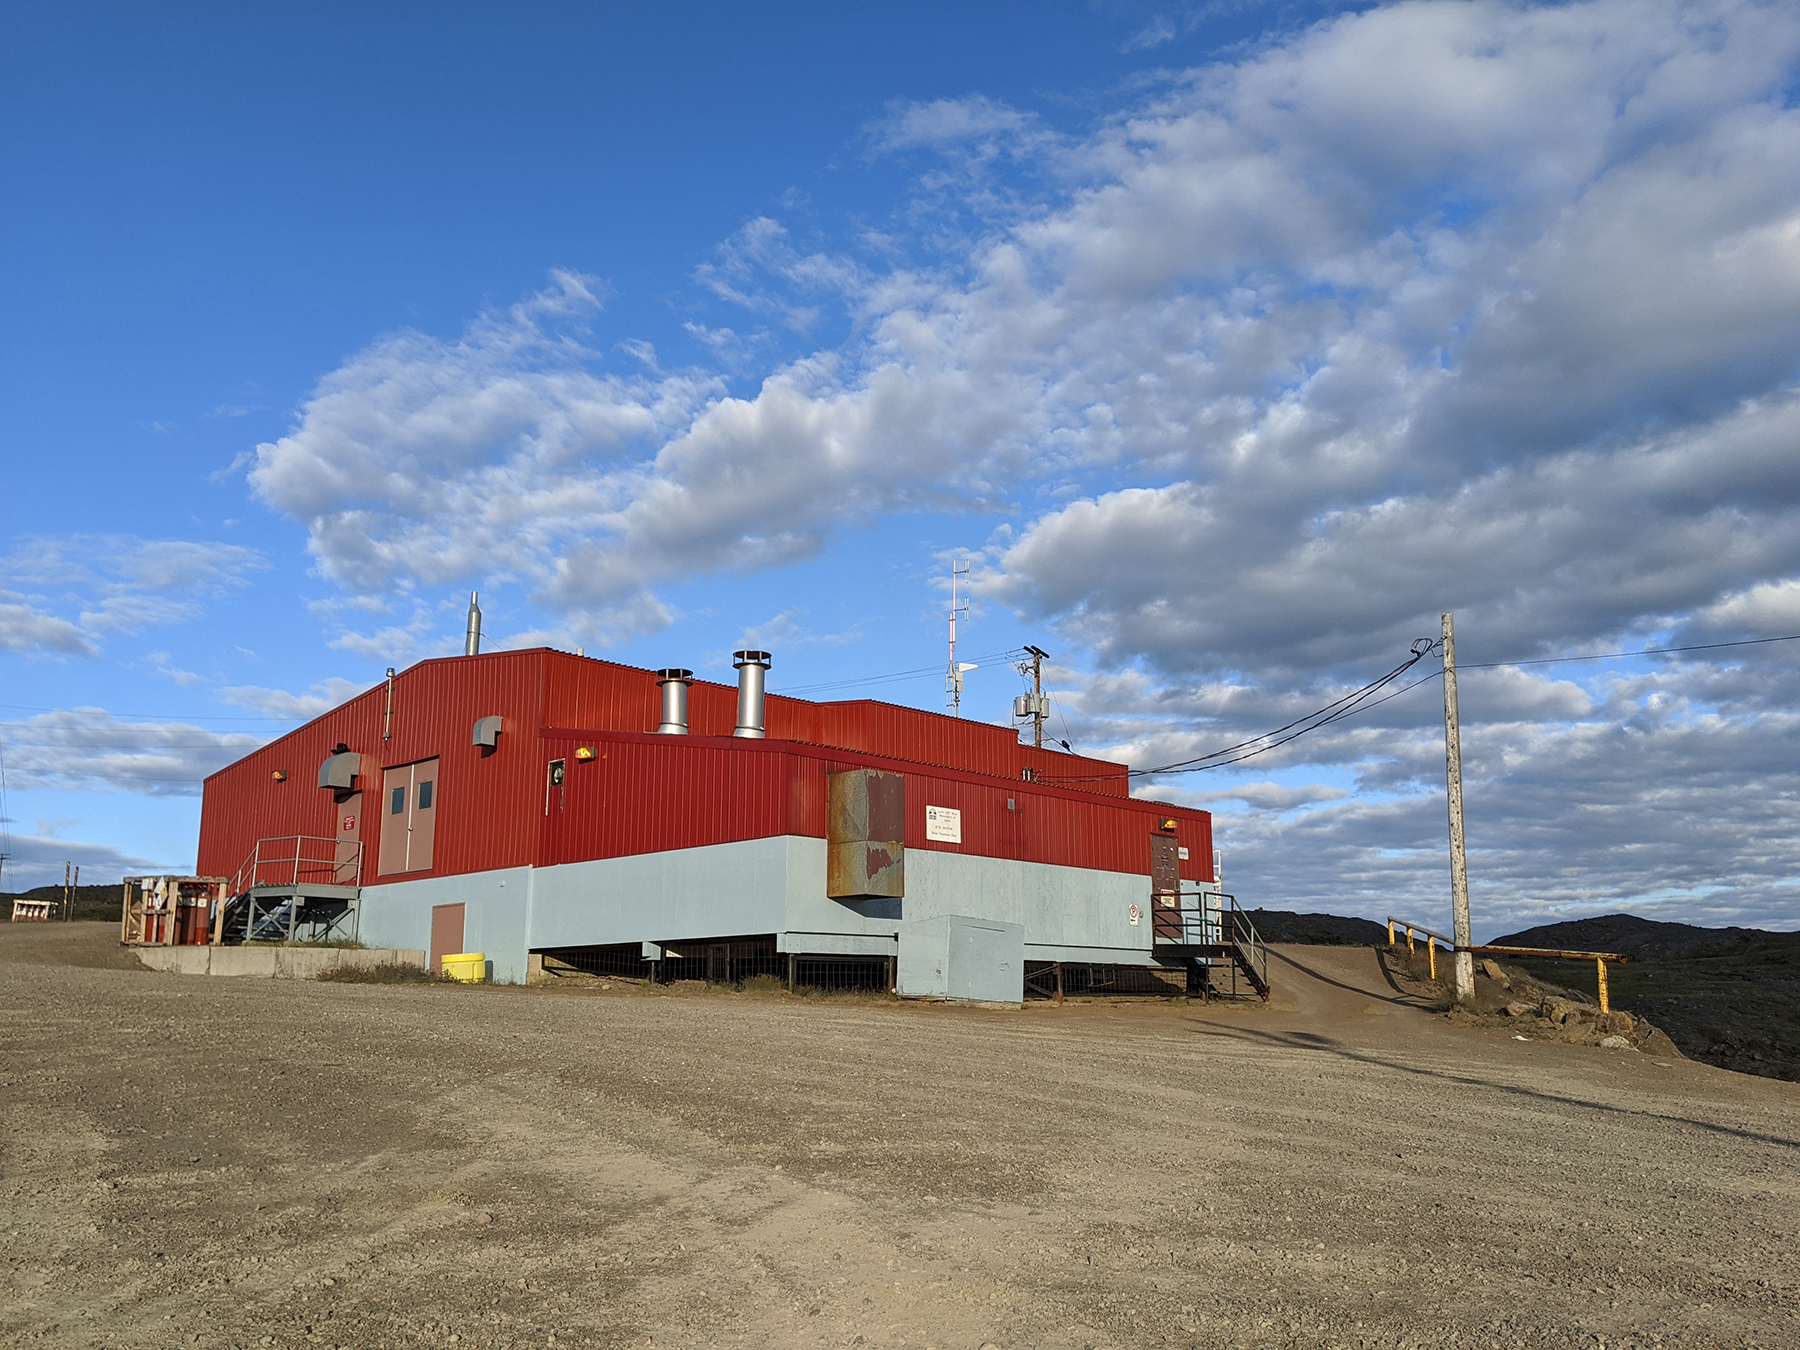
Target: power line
x,y
1358,701
1270,740
1613,656
892,678
176,717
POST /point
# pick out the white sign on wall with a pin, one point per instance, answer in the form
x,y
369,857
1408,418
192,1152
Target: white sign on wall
x,y
944,824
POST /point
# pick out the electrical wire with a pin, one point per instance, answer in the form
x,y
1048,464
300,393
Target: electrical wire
x,y
1350,703
1358,701
1613,656
177,717
917,674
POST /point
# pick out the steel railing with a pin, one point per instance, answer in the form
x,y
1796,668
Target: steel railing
x,y
298,860
1479,949
1217,920
1431,940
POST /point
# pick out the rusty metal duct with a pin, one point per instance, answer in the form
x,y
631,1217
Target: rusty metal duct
x,y
751,669
674,682
472,639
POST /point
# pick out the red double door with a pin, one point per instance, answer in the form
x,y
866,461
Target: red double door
x,y
408,805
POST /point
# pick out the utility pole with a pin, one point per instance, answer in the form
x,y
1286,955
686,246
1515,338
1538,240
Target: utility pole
x,y
1459,862
1034,705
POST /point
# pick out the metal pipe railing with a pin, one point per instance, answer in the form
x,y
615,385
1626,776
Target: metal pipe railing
x,y
1541,953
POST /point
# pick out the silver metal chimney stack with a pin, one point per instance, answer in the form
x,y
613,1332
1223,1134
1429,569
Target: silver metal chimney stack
x,y
751,668
472,640
674,682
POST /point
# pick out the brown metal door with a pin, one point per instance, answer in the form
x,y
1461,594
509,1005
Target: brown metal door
x,y
408,817
349,830
423,823
396,804
1165,889
446,934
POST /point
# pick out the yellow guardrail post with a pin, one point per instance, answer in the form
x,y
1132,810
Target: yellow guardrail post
x,y
1390,932
1431,950
1409,941
1605,1006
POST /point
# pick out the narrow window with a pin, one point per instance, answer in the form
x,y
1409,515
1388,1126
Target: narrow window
x,y
425,795
399,806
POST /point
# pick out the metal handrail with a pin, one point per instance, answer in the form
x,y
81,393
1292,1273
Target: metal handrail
x,y
266,854
1546,953
1248,939
1431,940
1222,923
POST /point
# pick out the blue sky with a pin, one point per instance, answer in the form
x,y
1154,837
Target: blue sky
x,y
1232,344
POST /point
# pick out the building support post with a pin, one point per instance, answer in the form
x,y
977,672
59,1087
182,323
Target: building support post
x,y
1459,863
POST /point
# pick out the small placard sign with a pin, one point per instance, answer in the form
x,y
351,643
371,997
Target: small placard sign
x,y
944,824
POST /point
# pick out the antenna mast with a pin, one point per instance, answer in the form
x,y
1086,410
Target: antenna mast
x,y
953,676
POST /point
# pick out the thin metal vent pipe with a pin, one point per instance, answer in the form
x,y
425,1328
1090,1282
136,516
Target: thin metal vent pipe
x,y
751,668
472,639
674,682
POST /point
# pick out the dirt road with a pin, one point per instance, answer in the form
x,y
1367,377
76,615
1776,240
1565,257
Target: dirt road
x,y
211,1162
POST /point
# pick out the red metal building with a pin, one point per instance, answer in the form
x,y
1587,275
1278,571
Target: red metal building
x,y
394,801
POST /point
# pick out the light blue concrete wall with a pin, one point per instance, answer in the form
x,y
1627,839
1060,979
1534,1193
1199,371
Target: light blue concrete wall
x,y
716,891
496,906
1068,908
763,886
956,956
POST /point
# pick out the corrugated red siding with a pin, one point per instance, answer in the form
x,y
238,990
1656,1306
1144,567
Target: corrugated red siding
x,y
646,793
586,693
436,704
658,792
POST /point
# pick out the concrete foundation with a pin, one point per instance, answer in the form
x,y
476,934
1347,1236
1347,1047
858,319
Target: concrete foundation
x,y
275,963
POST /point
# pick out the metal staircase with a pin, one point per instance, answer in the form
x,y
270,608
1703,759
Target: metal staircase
x,y
294,887
1209,926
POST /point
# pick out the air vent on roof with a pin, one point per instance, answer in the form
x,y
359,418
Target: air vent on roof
x,y
752,667
674,682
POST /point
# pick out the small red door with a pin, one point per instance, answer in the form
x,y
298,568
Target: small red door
x,y
1165,889
446,934
347,870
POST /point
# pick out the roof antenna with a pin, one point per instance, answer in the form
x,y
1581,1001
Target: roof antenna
x,y
953,676
472,641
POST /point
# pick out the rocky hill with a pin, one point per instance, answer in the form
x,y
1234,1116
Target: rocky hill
x,y
1317,930
1729,996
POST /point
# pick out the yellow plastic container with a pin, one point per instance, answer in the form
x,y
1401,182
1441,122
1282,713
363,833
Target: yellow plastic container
x,y
469,967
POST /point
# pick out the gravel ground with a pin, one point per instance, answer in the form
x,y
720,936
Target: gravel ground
x,y
212,1162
